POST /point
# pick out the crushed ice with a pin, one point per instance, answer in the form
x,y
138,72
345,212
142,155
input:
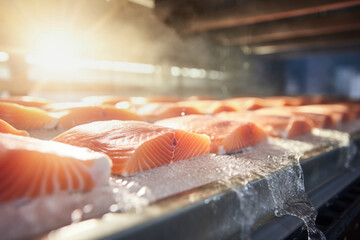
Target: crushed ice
x,y
282,191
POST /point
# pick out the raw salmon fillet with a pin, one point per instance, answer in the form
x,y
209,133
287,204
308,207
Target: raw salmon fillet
x,y
318,120
26,118
156,111
209,106
136,146
226,136
246,103
30,168
72,117
285,101
201,98
63,106
138,102
275,125
106,99
27,101
163,99
7,128
339,113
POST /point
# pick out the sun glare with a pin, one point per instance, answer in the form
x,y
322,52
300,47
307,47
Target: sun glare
x,y
58,51
4,56
55,49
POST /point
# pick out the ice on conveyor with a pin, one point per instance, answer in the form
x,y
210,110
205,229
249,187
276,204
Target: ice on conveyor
x,y
136,191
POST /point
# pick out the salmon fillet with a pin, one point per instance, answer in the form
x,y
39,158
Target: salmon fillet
x,y
318,120
26,118
156,111
246,103
163,99
138,102
286,101
7,128
72,117
209,106
63,106
201,98
27,101
136,146
275,125
30,168
338,114
104,100
226,136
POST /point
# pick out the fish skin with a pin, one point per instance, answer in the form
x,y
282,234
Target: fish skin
x,y
226,136
136,146
32,168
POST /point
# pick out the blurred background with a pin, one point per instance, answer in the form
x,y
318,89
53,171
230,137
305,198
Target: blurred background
x,y
66,49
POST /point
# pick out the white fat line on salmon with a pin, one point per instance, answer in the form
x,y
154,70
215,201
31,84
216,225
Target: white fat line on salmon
x,y
196,138
78,175
55,180
44,180
65,164
163,142
198,150
139,165
148,156
285,135
34,181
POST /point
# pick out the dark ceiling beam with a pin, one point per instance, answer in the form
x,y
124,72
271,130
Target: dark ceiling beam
x,y
307,26
315,43
353,49
261,11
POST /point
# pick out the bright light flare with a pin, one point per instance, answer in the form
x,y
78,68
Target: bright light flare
x,y
4,56
123,105
138,100
196,73
55,49
56,43
134,67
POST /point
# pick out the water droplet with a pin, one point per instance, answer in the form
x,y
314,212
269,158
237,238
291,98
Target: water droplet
x,y
130,185
114,208
88,208
141,192
76,215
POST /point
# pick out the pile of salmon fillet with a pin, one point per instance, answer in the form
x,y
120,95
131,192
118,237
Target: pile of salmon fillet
x,y
47,147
